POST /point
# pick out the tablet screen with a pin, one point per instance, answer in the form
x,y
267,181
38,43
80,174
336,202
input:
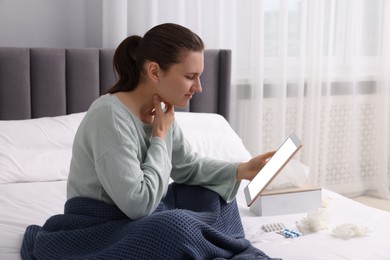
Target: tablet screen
x,y
285,152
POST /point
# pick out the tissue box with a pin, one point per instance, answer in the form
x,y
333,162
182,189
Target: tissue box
x,y
287,201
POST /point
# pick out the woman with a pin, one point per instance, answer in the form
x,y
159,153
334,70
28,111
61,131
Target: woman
x,y
128,147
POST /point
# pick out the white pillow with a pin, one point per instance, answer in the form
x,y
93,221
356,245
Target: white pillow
x,y
40,149
37,149
211,135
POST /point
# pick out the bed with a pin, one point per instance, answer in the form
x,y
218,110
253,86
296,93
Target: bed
x,y
44,93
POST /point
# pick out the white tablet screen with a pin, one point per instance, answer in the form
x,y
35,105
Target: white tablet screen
x,y
286,151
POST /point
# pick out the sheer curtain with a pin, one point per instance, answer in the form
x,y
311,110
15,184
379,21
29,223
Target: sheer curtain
x,y
319,68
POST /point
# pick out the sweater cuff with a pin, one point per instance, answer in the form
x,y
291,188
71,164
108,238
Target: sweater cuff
x,y
234,185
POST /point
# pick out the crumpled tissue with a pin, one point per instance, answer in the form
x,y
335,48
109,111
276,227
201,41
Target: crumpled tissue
x,y
316,220
350,230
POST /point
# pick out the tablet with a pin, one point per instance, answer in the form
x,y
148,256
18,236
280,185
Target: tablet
x,y
274,165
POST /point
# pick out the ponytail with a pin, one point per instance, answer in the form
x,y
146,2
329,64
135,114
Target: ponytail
x,y
126,65
166,44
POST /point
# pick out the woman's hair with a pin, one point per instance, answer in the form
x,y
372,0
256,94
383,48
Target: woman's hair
x,y
166,44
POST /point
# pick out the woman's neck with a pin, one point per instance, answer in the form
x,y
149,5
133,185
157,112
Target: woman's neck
x,y
139,102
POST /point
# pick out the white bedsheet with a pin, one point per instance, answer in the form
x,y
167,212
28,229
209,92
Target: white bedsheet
x,y
40,200
22,204
322,244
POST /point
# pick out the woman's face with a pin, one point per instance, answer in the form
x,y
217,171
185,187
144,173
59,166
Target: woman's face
x,y
182,80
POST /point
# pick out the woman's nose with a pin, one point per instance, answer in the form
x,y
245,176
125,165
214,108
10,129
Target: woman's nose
x,y
198,86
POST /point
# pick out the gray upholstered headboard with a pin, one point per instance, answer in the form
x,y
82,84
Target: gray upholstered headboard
x,y
41,82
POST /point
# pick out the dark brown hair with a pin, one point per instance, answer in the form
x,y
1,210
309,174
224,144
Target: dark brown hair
x,y
165,44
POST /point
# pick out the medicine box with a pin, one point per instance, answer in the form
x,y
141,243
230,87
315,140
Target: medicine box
x,y
287,201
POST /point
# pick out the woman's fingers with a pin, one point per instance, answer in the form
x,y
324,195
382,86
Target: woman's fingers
x,y
157,104
163,117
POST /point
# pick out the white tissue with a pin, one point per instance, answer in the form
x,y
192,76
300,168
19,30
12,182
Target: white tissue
x,y
294,174
316,220
350,230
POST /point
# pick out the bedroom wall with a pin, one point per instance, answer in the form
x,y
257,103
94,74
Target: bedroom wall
x,y
51,23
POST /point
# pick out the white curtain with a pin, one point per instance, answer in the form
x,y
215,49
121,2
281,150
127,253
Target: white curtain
x,y
319,68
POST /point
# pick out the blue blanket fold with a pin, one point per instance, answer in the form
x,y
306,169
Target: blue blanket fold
x,y
190,223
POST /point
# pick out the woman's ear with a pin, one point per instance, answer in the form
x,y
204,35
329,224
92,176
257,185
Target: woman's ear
x,y
153,70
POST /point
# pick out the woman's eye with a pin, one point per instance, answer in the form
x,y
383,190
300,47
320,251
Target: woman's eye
x,y
191,77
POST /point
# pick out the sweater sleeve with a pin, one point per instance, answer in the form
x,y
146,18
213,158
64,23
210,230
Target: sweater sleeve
x,y
193,169
135,187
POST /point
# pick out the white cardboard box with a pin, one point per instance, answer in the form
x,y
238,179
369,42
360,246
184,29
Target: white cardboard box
x,y
287,201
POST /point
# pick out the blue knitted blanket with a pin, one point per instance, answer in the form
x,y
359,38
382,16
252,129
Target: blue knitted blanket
x,y
190,223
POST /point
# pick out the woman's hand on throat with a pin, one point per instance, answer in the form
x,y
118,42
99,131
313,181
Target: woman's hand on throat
x,y
164,116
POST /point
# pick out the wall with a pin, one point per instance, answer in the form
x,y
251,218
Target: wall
x,y
51,23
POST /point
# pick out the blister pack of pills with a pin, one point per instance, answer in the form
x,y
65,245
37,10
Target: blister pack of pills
x,y
272,227
289,233
281,229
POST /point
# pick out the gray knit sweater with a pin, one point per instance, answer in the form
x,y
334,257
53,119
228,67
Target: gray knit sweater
x,y
116,160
